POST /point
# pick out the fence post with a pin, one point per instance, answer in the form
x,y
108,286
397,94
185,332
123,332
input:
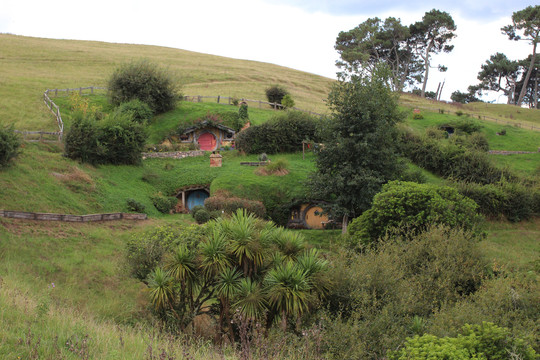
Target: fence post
x,y
199,98
260,104
218,98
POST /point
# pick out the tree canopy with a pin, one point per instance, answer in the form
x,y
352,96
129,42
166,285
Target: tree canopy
x,y
525,26
359,156
406,50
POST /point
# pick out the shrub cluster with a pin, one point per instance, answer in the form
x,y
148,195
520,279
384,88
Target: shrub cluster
x,y
135,206
114,140
145,81
9,145
163,204
276,93
230,205
407,208
485,341
139,111
452,160
283,133
514,201
145,251
386,294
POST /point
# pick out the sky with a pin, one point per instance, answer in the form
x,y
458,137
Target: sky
x,y
299,34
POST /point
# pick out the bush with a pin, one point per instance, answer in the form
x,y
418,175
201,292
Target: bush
x,y
486,341
146,82
380,292
452,160
243,111
9,145
287,101
513,200
408,208
201,216
135,206
145,252
282,133
275,94
140,112
230,204
114,140
164,204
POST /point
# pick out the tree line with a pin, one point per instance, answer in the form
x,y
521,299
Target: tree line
x,y
408,51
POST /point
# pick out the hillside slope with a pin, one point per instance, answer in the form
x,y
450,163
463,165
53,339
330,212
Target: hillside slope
x,y
28,66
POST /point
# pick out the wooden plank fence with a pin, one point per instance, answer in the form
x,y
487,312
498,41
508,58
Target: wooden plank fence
x,y
71,218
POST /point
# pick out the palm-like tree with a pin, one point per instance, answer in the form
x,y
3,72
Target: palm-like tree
x,y
161,290
288,290
314,268
243,233
226,289
289,243
251,299
214,257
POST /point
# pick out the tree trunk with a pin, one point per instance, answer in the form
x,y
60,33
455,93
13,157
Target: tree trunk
x,y
426,73
344,224
527,77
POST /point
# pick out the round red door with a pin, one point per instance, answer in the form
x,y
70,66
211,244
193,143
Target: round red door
x,y
207,141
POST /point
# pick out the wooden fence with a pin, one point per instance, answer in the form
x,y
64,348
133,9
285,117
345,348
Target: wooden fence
x,y
229,100
59,92
70,218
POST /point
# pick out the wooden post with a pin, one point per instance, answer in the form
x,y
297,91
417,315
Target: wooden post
x,y
184,200
303,150
199,99
260,104
218,98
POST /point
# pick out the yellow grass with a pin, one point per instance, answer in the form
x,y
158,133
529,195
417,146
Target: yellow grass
x,y
28,66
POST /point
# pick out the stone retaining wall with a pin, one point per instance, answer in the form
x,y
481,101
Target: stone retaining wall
x,y
172,154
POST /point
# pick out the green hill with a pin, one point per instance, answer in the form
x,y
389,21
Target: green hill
x,y
94,309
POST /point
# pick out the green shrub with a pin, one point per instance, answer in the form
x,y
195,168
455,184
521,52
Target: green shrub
x,y
145,251
123,139
379,292
478,141
287,101
436,133
9,145
135,206
230,205
201,216
164,204
512,200
282,133
275,93
139,111
145,81
452,160
280,164
243,111
408,208
113,140
486,341
467,126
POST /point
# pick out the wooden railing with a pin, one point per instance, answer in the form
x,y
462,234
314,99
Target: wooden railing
x,y
59,92
229,100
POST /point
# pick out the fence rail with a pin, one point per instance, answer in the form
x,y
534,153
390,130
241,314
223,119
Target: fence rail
x,y
229,100
70,218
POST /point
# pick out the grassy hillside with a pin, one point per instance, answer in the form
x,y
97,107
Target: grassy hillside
x,y
28,66
95,310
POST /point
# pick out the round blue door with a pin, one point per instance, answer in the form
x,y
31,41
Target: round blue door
x,y
195,198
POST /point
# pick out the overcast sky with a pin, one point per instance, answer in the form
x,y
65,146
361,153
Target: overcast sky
x,y
295,33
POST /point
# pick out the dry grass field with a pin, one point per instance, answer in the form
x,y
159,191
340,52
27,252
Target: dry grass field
x,y
29,66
